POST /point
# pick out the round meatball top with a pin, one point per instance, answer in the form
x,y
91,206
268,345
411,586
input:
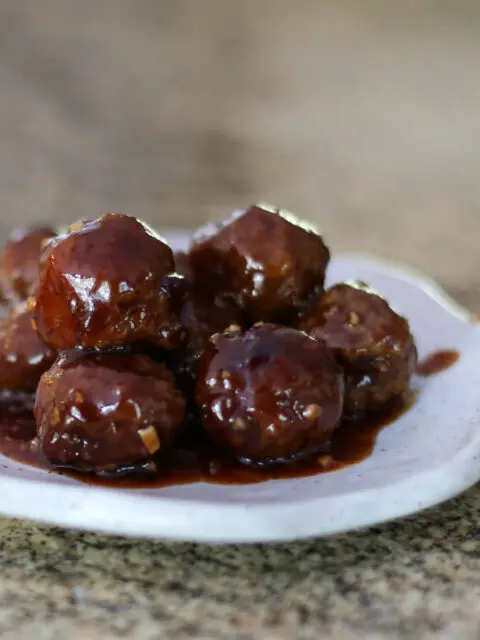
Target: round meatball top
x,y
370,340
265,259
107,283
270,393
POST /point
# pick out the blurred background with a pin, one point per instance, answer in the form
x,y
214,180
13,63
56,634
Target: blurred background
x,y
362,115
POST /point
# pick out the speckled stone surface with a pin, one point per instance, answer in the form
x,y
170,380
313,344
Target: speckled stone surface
x,y
418,578
360,115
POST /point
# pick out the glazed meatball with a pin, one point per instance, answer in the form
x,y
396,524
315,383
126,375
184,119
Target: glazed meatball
x,y
100,412
370,341
23,354
269,394
16,417
19,262
264,259
202,317
107,283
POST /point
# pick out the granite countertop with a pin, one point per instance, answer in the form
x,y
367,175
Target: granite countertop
x,y
410,579
360,116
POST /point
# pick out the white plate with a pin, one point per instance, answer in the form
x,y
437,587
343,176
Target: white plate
x,y
430,454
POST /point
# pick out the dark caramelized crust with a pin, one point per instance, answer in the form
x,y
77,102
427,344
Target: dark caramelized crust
x,y
201,317
370,341
23,354
19,262
265,260
106,283
270,393
99,412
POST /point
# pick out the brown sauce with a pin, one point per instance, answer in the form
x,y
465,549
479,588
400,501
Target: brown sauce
x,y
197,459
437,362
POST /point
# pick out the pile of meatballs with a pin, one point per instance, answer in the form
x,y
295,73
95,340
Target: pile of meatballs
x,y
126,346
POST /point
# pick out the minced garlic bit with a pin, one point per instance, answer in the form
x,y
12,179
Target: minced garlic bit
x,y
225,375
233,328
260,323
78,397
353,319
76,226
239,424
150,438
55,417
31,303
312,411
325,460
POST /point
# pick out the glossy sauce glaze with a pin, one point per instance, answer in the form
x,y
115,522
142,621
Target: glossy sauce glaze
x,y
196,458
437,362
269,393
141,350
108,283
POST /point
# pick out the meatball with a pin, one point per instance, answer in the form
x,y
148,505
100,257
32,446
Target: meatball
x,y
98,412
16,418
23,354
107,283
201,317
370,341
19,262
269,394
263,258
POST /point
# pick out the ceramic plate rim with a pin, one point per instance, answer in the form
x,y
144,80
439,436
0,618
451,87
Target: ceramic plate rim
x,y
83,507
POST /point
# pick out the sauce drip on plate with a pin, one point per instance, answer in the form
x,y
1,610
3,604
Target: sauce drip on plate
x,y
437,362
